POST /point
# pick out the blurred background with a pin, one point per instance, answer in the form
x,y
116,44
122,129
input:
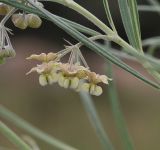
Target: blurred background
x,y
60,112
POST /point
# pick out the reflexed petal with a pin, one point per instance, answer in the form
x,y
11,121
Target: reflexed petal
x,y
98,91
66,83
61,80
85,87
41,57
92,89
43,80
74,83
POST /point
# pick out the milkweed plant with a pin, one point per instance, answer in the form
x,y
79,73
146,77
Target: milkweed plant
x,y
75,74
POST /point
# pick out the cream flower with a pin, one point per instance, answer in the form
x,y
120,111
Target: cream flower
x,y
96,78
92,86
69,76
47,71
44,57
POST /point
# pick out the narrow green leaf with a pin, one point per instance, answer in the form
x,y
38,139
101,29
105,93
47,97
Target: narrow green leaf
x,y
109,16
146,8
118,114
135,21
19,122
152,41
156,4
95,120
13,137
116,110
130,18
90,44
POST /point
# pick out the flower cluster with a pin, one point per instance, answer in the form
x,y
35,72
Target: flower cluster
x,y
6,49
4,9
68,75
22,20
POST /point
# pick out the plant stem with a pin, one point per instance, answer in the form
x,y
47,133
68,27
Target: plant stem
x,y
13,118
95,120
118,115
13,137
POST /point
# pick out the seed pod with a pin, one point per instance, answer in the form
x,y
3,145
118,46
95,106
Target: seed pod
x,y
34,21
20,21
4,9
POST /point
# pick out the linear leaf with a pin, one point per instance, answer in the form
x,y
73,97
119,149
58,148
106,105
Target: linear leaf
x,y
19,122
95,120
109,17
130,18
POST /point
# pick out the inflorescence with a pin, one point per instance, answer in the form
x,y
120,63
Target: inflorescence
x,y
75,74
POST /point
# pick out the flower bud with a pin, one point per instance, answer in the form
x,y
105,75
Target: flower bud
x,y
4,9
20,21
34,21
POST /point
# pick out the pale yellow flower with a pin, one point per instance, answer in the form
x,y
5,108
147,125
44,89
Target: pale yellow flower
x,y
47,71
96,78
44,57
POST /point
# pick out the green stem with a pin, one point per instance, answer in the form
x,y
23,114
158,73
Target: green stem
x,y
95,120
13,118
13,137
118,115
